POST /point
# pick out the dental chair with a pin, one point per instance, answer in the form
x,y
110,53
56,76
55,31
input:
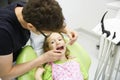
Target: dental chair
x,y
28,54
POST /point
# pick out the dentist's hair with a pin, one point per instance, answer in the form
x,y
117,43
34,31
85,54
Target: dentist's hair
x,y
44,15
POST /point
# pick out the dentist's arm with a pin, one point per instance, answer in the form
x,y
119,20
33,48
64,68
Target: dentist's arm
x,y
9,71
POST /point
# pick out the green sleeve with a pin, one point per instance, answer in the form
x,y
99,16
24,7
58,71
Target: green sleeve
x,y
47,75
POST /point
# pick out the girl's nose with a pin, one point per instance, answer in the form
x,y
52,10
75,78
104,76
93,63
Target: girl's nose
x,y
57,42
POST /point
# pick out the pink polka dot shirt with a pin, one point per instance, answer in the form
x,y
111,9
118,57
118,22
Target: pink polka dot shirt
x,y
69,70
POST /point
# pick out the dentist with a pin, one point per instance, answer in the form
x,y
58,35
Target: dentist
x,y
16,22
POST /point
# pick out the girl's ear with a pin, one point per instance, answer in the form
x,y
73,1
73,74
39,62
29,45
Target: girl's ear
x,y
47,48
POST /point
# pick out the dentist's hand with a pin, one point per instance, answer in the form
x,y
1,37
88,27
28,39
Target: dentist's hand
x,y
52,55
72,35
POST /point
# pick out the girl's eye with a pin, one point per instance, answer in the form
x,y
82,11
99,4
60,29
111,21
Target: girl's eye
x,y
52,42
60,39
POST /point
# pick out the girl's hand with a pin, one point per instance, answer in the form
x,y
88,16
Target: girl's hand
x,y
39,72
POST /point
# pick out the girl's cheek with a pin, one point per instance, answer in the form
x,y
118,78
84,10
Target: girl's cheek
x,y
51,47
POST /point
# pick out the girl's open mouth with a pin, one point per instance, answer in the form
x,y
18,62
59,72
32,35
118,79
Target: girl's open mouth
x,y
60,48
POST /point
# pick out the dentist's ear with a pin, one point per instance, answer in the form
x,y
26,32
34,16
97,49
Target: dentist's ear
x,y
32,28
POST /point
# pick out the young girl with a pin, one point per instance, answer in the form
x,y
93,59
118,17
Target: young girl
x,y
67,68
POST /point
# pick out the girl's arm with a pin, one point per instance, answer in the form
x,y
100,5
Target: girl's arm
x,y
38,73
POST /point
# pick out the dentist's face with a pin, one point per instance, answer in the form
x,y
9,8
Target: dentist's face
x,y
55,41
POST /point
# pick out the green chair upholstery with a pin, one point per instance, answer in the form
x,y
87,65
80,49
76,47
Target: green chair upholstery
x,y
76,50
27,54
82,57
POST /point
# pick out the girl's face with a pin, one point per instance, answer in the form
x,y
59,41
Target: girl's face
x,y
55,41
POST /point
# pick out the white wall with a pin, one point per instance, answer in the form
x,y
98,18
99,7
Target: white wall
x,y
83,13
